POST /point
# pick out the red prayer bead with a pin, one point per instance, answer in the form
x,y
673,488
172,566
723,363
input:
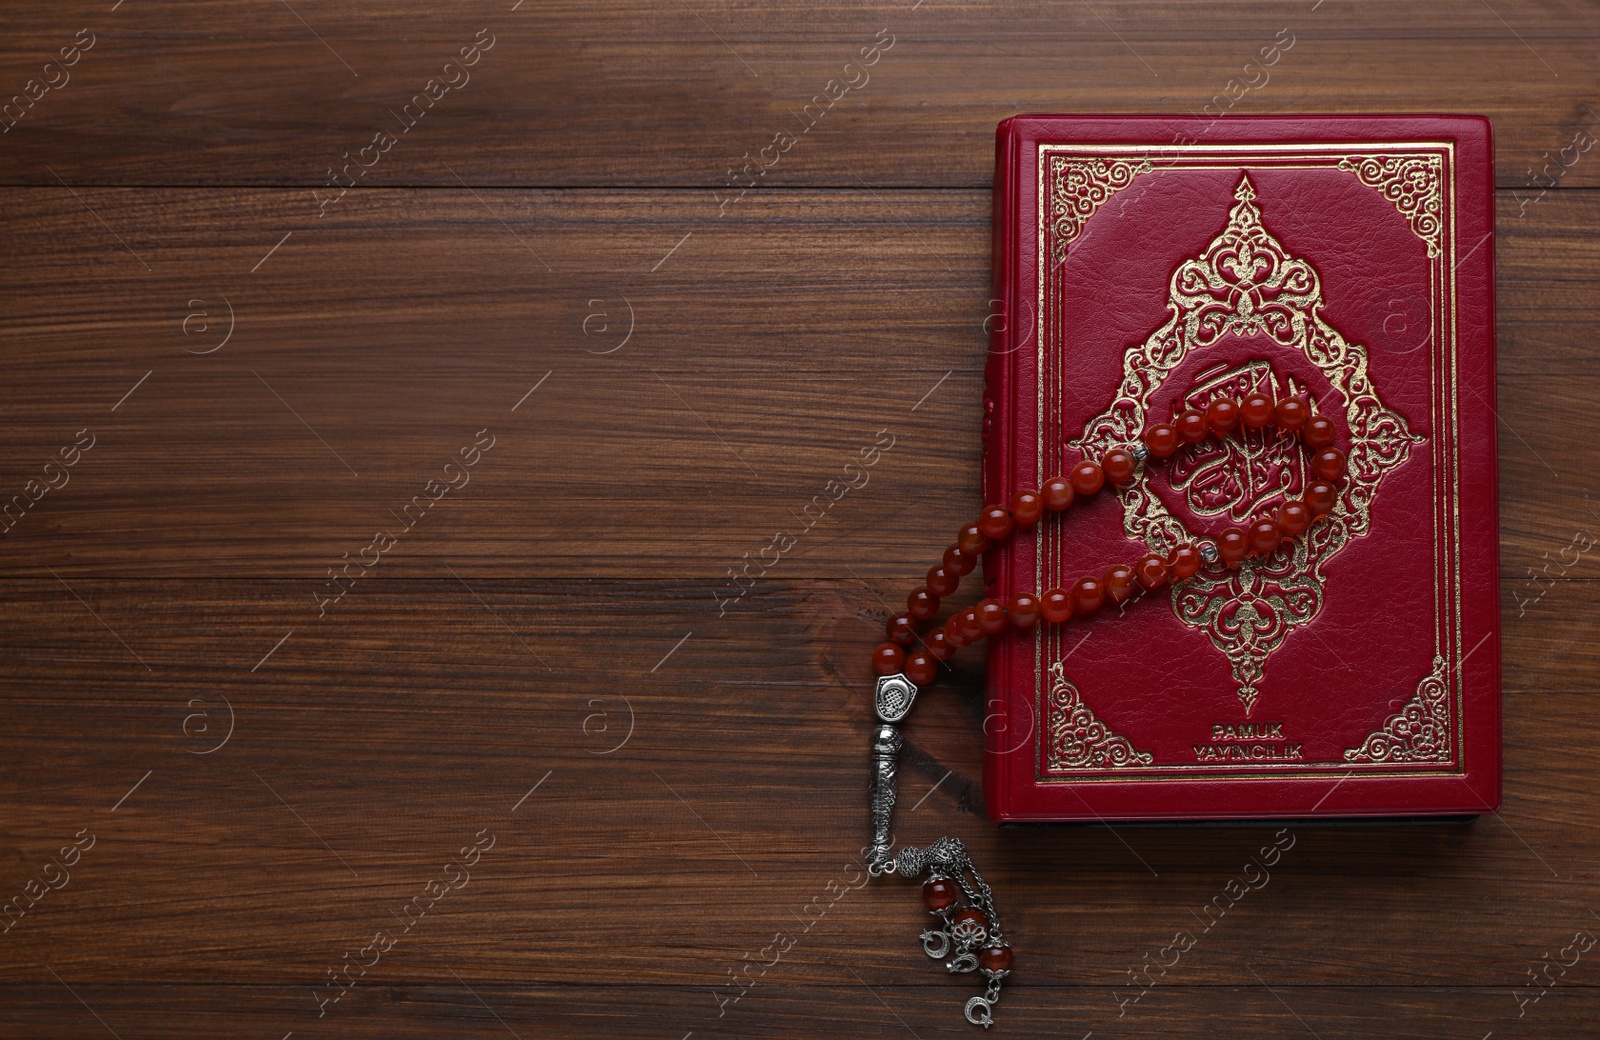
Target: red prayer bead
x,y
1088,477
995,958
1294,517
972,540
1329,463
1233,545
901,629
1256,410
970,626
1292,413
1264,536
1056,606
1118,583
922,604
1222,414
1192,426
1058,494
1118,466
953,633
888,658
1151,571
970,922
1087,596
938,646
1023,610
1161,439
991,616
995,522
1319,432
940,894
958,561
1184,562
921,669
942,582
1026,508
1321,496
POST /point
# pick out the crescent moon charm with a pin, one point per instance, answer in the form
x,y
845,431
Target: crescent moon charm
x,y
966,961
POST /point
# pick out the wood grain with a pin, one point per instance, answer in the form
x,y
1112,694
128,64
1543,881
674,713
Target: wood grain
x,y
426,710
763,354
865,1006
670,778
212,92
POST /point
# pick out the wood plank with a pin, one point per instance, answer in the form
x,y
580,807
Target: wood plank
x,y
665,833
764,352
871,1005
208,92
863,1004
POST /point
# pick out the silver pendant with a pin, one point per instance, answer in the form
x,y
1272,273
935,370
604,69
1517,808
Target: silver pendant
x,y
964,930
895,697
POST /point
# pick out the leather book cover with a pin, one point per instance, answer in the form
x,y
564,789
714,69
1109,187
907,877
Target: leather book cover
x,y
1147,264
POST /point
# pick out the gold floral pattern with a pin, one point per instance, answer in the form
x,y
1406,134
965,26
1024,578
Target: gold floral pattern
x,y
1077,739
1244,283
1420,732
1414,183
1079,187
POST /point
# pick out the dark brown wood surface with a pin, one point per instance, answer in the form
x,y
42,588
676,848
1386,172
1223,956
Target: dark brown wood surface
x,y
548,261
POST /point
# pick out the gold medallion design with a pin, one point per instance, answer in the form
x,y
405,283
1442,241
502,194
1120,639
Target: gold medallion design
x,y
1078,739
1245,284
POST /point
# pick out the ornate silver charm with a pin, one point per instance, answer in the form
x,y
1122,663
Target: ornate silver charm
x,y
895,697
964,930
963,962
910,861
886,744
980,1010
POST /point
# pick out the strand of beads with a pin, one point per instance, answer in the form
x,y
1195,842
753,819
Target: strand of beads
x,y
1289,519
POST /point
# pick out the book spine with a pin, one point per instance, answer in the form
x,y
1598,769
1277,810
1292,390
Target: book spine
x,y
997,411
998,435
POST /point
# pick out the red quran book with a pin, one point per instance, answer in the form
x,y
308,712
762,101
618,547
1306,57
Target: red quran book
x,y
1148,264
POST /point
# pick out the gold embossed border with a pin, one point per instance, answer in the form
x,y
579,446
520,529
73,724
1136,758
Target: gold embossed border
x,y
1370,163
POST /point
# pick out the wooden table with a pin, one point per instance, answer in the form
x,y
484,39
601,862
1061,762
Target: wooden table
x,y
296,281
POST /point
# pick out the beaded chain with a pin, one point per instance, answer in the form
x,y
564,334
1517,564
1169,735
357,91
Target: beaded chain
x,y
973,932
